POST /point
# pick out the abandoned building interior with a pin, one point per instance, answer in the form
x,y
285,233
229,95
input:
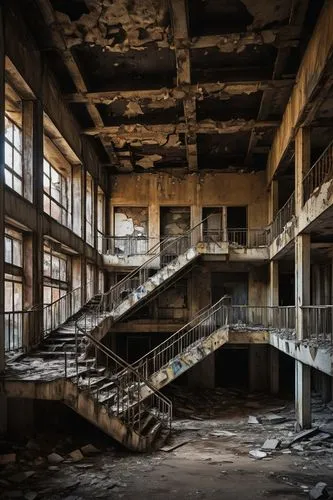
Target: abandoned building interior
x,y
166,207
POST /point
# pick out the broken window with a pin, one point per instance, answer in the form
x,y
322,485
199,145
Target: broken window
x,y
90,210
131,230
56,194
13,156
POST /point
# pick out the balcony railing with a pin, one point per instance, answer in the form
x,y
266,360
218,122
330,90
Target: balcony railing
x,y
271,317
239,237
19,328
319,173
318,323
284,215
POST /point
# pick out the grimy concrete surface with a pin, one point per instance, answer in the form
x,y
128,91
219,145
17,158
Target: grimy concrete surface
x,y
212,461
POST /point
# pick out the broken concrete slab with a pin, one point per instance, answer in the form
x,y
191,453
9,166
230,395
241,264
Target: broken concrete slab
x,y
253,420
76,455
8,458
319,491
55,458
307,433
257,454
271,444
89,449
272,418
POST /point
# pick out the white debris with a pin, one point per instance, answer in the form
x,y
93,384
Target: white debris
x,y
257,454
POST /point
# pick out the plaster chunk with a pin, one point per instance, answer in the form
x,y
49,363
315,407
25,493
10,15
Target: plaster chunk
x,y
133,109
118,26
148,161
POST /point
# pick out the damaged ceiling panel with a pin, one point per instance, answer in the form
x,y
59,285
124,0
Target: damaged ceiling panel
x,y
163,84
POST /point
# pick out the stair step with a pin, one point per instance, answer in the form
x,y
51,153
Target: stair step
x,y
105,386
153,432
57,340
146,423
91,382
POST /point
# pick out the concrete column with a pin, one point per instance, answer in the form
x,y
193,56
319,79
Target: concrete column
x,y
37,237
3,402
302,395
153,212
274,283
273,200
258,367
302,164
326,387
77,200
196,217
27,132
302,281
224,223
274,370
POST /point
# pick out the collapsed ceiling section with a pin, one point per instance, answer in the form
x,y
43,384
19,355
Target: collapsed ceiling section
x,y
164,84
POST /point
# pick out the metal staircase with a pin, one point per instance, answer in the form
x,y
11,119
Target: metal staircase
x,y
196,340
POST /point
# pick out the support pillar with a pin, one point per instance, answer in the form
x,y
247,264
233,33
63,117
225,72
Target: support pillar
x,y
302,395
203,373
302,281
273,200
302,164
153,212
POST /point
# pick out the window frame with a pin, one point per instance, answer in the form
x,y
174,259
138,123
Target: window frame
x,y
14,149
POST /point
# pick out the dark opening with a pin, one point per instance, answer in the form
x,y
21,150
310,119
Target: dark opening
x,y
237,217
233,284
232,367
286,375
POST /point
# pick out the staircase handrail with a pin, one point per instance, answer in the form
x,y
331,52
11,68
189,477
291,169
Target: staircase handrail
x,y
156,354
145,265
125,366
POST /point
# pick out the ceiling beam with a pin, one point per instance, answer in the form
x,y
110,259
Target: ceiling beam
x,y
202,127
60,44
309,80
199,90
179,23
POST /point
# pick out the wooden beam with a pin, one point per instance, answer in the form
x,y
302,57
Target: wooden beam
x,y
179,21
202,127
179,93
59,41
309,78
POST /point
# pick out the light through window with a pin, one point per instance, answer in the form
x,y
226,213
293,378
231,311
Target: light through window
x,y
13,156
56,195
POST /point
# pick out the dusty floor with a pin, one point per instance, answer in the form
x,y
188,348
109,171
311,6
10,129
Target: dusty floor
x,y
214,463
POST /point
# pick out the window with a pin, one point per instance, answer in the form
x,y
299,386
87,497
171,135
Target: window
x,y
55,276
90,281
13,156
90,210
101,281
100,219
56,194
13,248
13,289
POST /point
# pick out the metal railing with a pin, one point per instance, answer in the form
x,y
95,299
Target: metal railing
x,y
122,397
134,283
318,323
19,327
283,216
57,313
200,327
319,173
276,317
240,237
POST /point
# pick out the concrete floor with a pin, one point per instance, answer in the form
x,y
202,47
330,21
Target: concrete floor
x,y
214,463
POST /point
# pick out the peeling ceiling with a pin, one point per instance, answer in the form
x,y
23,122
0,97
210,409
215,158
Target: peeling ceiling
x,y
176,84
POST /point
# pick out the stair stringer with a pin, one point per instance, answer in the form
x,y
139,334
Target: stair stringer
x,y
81,402
164,274
184,361
194,354
97,414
